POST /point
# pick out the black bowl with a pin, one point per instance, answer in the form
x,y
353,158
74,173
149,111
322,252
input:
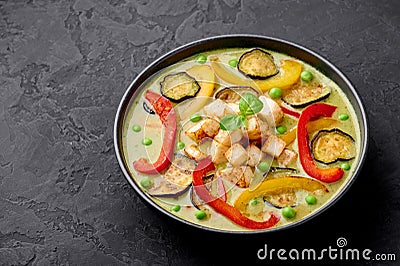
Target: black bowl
x,y
242,41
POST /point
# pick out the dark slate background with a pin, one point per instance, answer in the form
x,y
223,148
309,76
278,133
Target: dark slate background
x,y
64,68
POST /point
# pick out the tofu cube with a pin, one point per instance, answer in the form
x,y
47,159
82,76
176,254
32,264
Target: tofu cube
x,y
236,155
240,175
255,155
256,129
271,111
287,157
194,152
205,128
196,132
218,151
273,146
228,138
210,127
217,109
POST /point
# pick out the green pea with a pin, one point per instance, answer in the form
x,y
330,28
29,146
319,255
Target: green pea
x,y
136,128
311,200
195,117
233,62
343,117
275,93
288,212
147,141
145,182
180,145
200,214
263,166
281,129
306,75
201,59
345,166
253,202
176,208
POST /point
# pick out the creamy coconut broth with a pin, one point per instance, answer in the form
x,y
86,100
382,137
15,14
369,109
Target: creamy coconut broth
x,y
256,179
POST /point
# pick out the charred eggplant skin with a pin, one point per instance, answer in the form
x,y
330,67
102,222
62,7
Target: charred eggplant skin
x,y
234,93
268,56
325,94
307,103
283,169
186,94
276,170
176,190
208,178
194,198
180,171
175,194
183,156
327,131
147,109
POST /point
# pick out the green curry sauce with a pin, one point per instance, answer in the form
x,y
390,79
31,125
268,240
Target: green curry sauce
x,y
151,128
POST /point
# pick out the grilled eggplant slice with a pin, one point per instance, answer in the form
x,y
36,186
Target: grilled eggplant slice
x,y
197,202
282,200
176,180
180,171
330,146
166,189
276,172
305,94
283,170
148,109
179,86
195,199
257,64
234,93
286,198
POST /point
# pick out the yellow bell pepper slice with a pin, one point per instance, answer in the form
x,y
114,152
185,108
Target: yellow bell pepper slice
x,y
277,186
289,136
289,74
228,76
204,75
321,123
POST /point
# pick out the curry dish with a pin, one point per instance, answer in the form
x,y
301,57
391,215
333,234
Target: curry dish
x,y
241,139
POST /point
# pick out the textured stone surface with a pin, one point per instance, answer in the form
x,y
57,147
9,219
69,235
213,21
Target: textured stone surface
x,y
64,65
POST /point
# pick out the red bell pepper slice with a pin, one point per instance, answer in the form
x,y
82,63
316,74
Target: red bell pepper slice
x,y
166,112
314,111
221,189
290,112
220,206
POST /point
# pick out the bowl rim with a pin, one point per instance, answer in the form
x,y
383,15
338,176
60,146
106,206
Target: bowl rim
x,y
364,127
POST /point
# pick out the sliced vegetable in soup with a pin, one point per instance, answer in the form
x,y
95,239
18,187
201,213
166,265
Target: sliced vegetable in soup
x,y
241,139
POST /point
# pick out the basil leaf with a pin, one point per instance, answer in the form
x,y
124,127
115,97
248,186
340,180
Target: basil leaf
x,y
249,104
230,122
